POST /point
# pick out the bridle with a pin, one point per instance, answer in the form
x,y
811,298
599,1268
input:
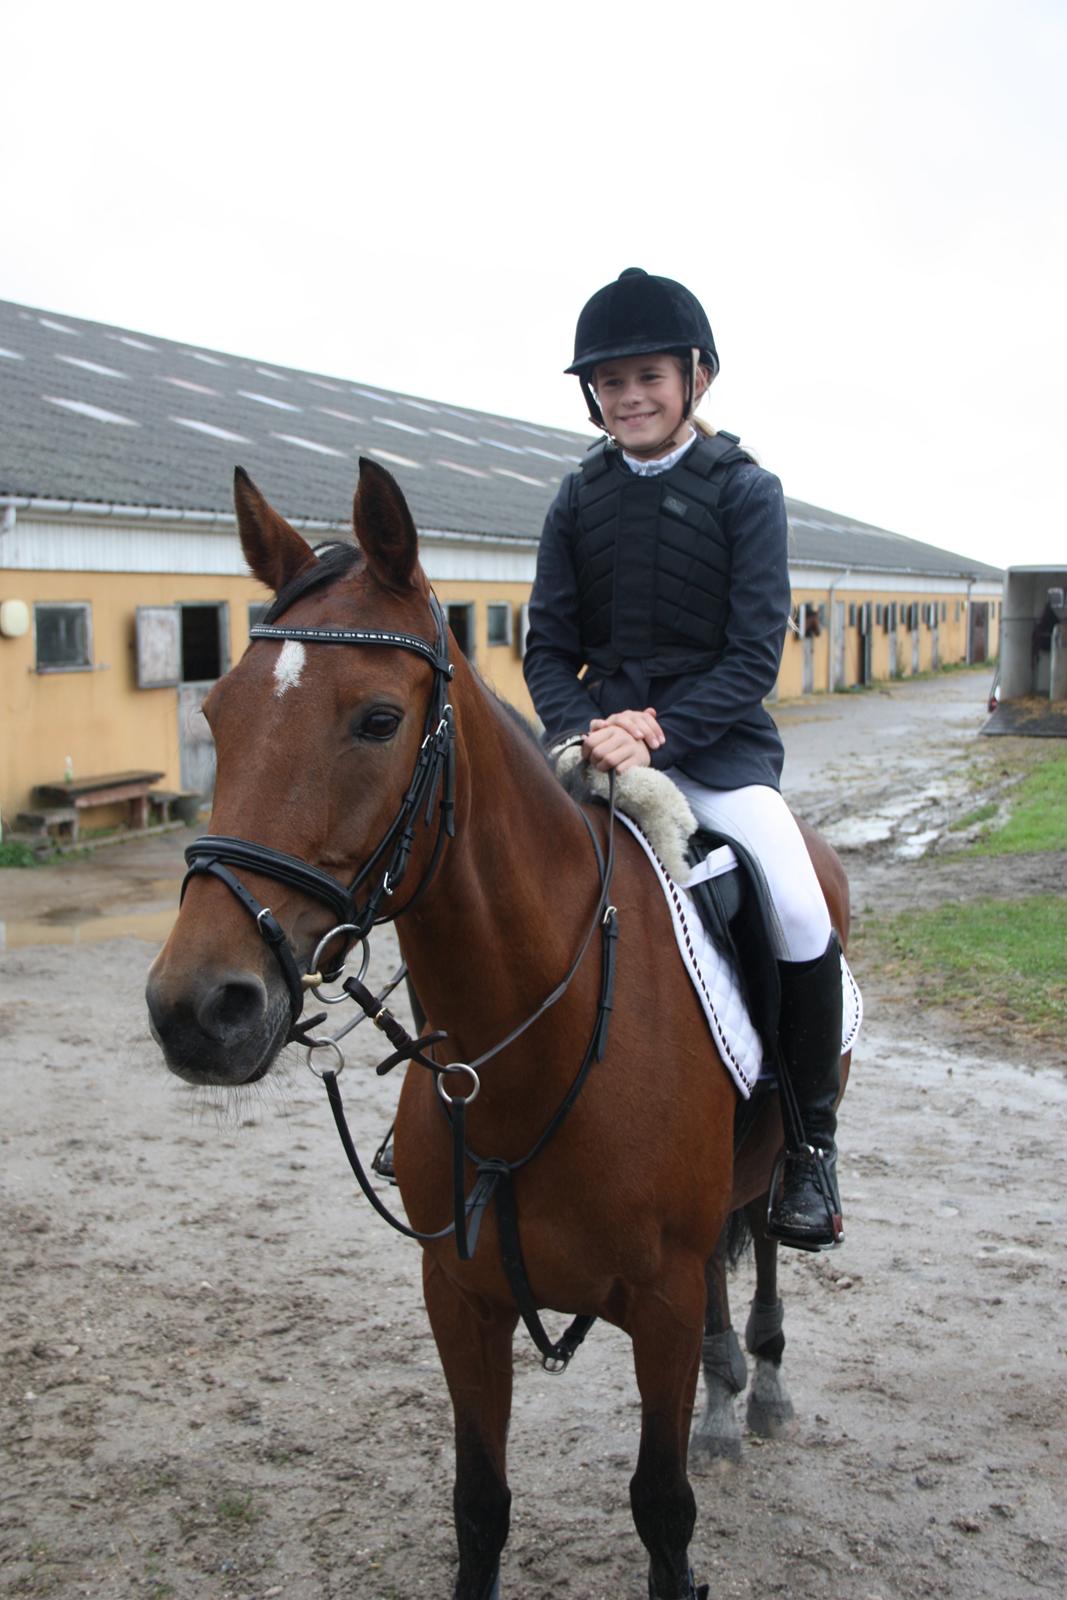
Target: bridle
x,y
432,783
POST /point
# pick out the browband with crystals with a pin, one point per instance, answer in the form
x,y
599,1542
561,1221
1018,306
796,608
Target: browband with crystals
x,y
403,641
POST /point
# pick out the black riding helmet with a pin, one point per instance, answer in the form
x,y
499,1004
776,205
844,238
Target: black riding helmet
x,y
639,314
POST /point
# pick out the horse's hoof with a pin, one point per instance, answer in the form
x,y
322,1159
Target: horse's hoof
x,y
774,1421
714,1453
769,1410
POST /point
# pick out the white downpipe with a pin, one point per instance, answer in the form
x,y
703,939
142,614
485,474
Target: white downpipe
x,y
831,665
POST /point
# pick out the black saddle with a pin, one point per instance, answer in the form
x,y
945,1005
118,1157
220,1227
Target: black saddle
x,y
735,908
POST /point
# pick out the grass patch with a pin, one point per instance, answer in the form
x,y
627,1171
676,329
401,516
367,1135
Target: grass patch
x,y
979,814
13,853
1038,818
1004,957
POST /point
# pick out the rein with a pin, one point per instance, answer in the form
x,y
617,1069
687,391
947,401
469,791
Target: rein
x,y
432,784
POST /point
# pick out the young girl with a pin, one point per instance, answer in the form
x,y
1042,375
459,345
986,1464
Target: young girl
x,y
656,627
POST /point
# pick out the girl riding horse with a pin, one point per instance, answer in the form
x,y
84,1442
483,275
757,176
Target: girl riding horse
x,y
657,620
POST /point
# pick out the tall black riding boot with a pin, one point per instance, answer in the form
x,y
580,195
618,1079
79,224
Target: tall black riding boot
x,y
805,1206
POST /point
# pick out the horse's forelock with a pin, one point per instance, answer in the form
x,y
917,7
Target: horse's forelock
x,y
333,561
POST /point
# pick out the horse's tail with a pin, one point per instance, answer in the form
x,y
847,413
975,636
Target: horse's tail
x,y
738,1238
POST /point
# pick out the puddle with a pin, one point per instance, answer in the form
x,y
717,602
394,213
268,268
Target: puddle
x,y
151,921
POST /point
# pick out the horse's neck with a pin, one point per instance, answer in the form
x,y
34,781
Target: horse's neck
x,y
517,885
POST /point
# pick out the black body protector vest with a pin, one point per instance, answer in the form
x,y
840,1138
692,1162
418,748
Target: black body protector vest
x,y
652,561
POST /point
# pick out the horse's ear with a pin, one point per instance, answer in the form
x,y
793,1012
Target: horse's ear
x,y
274,551
384,527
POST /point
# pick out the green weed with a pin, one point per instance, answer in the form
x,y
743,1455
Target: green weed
x,y
1004,957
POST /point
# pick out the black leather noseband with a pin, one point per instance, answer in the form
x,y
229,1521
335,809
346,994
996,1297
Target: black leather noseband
x,y
432,783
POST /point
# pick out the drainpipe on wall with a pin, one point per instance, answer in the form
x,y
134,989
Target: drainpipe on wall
x,y
967,619
7,520
832,632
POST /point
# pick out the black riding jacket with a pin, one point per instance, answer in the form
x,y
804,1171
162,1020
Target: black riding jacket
x,y
684,610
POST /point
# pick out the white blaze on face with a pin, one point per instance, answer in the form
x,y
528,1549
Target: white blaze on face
x,y
289,667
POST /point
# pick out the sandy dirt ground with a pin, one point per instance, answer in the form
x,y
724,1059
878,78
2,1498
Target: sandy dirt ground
x,y
217,1378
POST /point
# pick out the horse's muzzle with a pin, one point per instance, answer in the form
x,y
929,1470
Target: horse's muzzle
x,y
223,1030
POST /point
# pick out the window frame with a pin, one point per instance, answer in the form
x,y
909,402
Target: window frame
x,y
497,607
47,668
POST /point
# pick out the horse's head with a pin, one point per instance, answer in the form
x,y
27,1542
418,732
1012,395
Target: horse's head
x,y
318,743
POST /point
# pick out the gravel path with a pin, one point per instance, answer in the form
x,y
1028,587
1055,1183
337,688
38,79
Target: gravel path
x,y
217,1378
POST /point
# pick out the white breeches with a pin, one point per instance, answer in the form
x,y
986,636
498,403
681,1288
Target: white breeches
x,y
759,819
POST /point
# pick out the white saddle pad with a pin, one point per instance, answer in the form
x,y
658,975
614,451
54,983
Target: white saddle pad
x,y
714,979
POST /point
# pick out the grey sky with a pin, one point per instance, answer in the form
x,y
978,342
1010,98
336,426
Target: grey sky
x,y
867,196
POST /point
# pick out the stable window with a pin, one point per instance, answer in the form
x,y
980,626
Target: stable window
x,y
498,614
944,611
63,636
202,643
460,614
257,610
879,614
852,615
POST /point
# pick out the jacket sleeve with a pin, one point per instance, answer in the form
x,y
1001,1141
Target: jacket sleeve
x,y
554,655
754,518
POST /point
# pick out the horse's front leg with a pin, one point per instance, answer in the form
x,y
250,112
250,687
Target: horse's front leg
x,y
665,1326
769,1411
716,1438
475,1350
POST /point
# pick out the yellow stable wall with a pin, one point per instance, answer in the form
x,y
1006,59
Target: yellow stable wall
x,y
100,718
105,723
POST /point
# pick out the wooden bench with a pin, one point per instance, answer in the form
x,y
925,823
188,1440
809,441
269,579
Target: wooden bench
x,y
186,802
109,788
39,824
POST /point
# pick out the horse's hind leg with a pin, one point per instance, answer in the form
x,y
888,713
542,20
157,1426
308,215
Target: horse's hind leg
x,y
665,1328
716,1438
476,1355
769,1411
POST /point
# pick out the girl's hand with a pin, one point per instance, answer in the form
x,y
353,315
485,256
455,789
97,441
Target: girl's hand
x,y
610,748
639,724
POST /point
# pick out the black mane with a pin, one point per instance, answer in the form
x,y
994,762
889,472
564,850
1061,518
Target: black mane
x,y
333,562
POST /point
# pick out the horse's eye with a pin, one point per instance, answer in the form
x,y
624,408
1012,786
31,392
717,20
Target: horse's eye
x,y
379,725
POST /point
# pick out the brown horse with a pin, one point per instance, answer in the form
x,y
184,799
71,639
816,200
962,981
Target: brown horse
x,y
621,1211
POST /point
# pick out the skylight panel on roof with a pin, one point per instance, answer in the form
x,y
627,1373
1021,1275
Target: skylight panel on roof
x,y
307,444
58,327
187,383
369,394
95,412
520,477
342,416
457,438
397,461
279,377
269,400
320,383
91,366
11,355
419,405
211,430
212,361
549,455
454,466
498,444
134,344
528,427
394,422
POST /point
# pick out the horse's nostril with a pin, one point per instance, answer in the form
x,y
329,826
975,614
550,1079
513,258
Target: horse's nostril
x,y
232,1009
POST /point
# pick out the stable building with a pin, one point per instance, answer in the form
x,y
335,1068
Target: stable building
x,y
124,593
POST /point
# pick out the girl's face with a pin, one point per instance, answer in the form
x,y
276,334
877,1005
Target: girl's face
x,y
642,399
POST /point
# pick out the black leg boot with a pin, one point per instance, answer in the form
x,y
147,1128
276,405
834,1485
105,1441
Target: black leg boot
x,y
805,1206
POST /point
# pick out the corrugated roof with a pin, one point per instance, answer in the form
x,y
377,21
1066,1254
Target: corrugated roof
x,y
103,414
